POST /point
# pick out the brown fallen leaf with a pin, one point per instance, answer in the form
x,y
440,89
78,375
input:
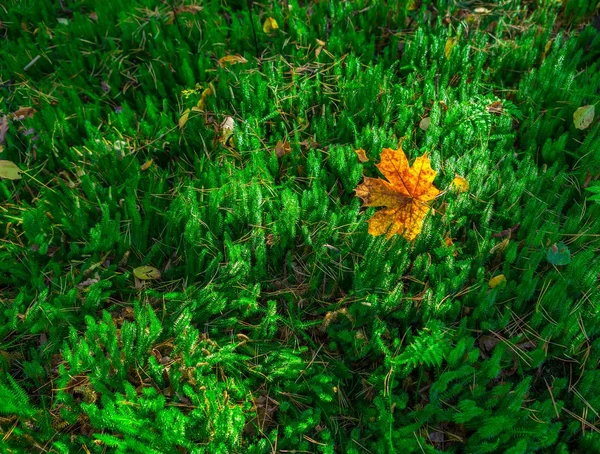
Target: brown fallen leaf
x,y
320,47
24,112
231,60
495,108
183,9
362,155
406,194
3,129
93,16
282,148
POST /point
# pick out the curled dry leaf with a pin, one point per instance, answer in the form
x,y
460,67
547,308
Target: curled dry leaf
x,y
282,148
9,170
584,116
183,9
184,118
495,108
93,16
406,194
231,60
227,128
203,97
269,25
362,156
24,112
321,45
3,129
459,184
497,280
146,273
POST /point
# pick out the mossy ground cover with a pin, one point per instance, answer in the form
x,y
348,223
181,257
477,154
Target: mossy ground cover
x,y
274,322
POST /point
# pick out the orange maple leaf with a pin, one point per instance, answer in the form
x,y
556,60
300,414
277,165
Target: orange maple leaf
x,y
406,194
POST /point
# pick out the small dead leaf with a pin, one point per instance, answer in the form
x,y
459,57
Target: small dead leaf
x,y
146,165
9,170
424,124
282,148
227,128
3,129
362,156
231,60
183,9
105,87
547,48
495,108
63,20
23,113
488,343
450,43
584,116
204,96
93,16
270,25
320,47
146,273
184,118
90,281
497,280
459,184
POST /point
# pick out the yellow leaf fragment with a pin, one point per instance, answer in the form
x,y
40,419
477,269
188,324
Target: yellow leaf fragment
x,y
269,25
497,280
204,96
405,194
362,156
321,45
450,43
146,273
9,170
584,116
146,165
184,118
231,60
459,184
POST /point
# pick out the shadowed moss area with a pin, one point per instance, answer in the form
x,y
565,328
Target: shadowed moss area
x,y
214,143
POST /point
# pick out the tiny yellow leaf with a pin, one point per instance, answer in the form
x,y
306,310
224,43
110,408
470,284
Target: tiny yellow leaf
x,y
449,46
146,273
205,94
184,118
269,25
459,184
497,280
9,170
146,165
231,60
584,116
